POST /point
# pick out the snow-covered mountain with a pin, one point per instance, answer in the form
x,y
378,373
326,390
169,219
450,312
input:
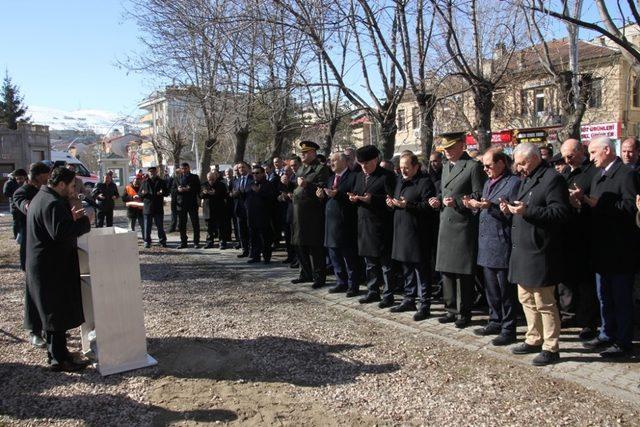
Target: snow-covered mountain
x,y
98,121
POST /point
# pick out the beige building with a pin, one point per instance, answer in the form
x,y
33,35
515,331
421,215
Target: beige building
x,y
527,106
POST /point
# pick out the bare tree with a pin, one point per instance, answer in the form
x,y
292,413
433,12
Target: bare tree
x,y
573,88
614,19
475,31
374,29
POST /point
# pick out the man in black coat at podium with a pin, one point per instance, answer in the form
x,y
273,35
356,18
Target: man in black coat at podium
x,y
53,271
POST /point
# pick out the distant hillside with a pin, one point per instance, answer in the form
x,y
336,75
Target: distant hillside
x,y
96,121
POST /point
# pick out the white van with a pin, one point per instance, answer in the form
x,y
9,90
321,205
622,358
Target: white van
x,y
63,157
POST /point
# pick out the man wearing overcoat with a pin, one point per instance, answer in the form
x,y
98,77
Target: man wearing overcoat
x,y
308,216
375,225
540,212
458,234
53,271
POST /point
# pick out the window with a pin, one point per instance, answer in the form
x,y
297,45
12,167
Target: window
x,y
539,103
37,156
415,117
636,92
595,98
401,120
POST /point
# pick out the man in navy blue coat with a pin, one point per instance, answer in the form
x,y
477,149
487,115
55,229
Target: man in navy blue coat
x,y
494,247
341,226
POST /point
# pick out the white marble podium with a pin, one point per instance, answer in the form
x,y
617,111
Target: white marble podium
x,y
112,299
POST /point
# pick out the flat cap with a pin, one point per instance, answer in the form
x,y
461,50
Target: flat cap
x,y
366,153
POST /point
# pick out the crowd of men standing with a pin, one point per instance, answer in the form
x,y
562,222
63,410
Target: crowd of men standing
x,y
558,244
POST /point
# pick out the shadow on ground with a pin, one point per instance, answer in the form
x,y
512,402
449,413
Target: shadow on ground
x,y
263,359
94,410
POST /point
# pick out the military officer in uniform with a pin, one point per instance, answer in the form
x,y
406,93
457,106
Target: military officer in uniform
x,y
462,177
308,216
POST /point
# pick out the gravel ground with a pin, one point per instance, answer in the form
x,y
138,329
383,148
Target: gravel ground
x,y
232,349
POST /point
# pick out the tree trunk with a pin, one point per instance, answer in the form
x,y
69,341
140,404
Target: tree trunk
x,y
426,103
205,160
242,135
572,117
329,137
388,131
483,100
278,142
160,159
177,151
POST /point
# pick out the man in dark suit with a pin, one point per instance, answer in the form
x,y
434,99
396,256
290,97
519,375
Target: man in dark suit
x,y
308,216
630,153
412,224
238,195
540,212
22,197
152,192
15,181
171,183
285,208
614,246
577,291
494,246
375,225
260,203
105,193
188,202
341,227
458,235
53,272
214,196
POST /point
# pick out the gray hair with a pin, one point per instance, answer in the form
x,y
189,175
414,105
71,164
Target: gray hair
x,y
340,155
212,174
604,141
527,149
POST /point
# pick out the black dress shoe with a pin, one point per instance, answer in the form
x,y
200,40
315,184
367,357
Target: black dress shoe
x,y
588,333
545,358
295,265
37,341
447,318
243,255
337,289
385,303
596,343
196,245
223,246
147,245
490,329
300,280
287,261
163,244
463,322
266,261
525,348
615,351
208,245
404,306
67,366
182,246
503,339
353,293
253,260
422,314
317,285
369,298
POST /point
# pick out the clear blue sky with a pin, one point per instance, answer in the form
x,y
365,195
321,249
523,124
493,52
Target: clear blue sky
x,y
65,53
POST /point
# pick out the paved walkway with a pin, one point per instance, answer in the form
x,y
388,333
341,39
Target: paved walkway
x,y
618,379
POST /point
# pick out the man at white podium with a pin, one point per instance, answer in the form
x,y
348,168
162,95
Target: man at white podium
x,y
53,273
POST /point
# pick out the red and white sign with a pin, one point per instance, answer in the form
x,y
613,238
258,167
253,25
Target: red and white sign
x,y
612,130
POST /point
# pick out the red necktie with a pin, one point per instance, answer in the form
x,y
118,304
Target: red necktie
x,y
336,181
